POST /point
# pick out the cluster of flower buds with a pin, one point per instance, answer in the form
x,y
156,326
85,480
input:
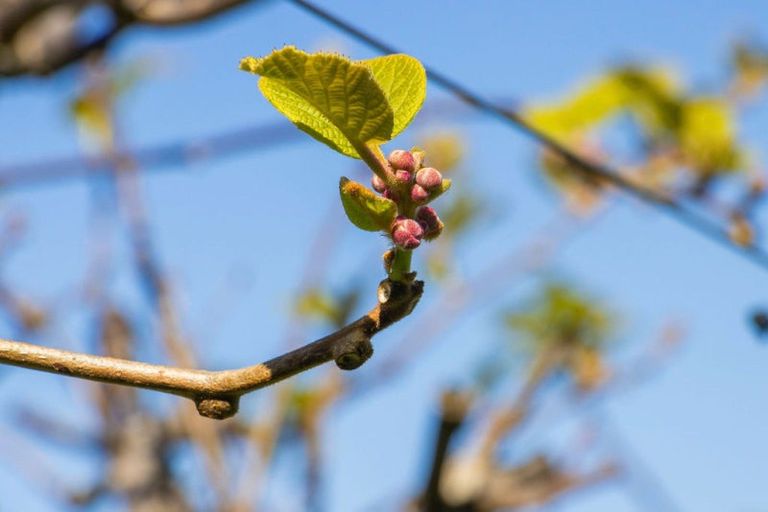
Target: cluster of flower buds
x,y
414,185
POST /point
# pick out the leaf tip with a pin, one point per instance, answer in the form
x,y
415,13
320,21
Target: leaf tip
x,y
248,64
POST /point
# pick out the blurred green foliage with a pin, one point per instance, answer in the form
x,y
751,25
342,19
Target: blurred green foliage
x,y
695,132
560,315
575,326
331,308
447,151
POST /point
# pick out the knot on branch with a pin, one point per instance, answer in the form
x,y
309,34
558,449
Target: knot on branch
x,y
217,408
353,352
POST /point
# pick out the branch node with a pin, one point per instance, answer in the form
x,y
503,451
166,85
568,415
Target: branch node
x,y
353,352
217,408
401,298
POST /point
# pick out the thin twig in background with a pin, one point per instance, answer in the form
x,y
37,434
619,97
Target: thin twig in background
x,y
647,489
453,410
180,153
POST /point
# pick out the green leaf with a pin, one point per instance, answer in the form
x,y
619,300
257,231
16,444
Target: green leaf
x,y
649,94
315,303
404,82
588,105
333,99
708,135
561,315
365,209
445,150
462,213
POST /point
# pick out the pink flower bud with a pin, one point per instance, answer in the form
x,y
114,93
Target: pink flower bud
x,y
403,176
403,160
389,194
430,222
378,184
418,194
407,233
429,178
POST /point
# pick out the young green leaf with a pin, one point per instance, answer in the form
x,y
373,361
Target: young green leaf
x,y
708,135
333,99
649,94
365,209
404,82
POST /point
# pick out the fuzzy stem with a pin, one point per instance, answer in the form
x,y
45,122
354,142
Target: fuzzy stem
x,y
401,266
373,157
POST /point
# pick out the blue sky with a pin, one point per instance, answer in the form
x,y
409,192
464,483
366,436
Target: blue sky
x,y
698,427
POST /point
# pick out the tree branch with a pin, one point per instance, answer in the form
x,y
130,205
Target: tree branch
x,y
68,49
173,12
507,418
217,393
454,406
